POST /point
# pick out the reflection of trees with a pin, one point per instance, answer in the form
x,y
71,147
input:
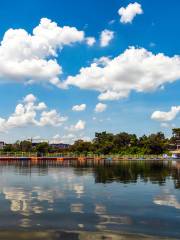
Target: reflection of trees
x,y
131,171
104,172
176,178
24,167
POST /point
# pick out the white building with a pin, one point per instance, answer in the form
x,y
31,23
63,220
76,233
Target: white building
x,y
2,144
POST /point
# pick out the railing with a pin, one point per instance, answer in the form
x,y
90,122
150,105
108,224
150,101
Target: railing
x,y
17,154
74,155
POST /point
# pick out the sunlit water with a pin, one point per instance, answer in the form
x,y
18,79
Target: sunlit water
x,y
89,201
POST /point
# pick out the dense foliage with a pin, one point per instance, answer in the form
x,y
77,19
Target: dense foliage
x,y
123,143
105,143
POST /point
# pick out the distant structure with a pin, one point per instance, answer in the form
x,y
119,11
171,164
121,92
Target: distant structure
x,y
175,146
37,141
176,136
60,145
2,144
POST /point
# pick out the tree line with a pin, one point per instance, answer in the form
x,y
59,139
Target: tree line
x,y
105,143
124,143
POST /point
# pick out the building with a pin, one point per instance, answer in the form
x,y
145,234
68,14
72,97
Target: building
x,y
175,147
176,137
35,142
60,145
2,144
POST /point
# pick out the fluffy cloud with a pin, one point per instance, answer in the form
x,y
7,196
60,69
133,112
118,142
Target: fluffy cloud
x,y
167,125
26,114
79,108
79,126
136,69
69,138
31,58
100,107
128,14
51,118
90,41
166,116
30,98
36,137
106,37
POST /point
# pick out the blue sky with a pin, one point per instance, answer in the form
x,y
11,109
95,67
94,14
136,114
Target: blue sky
x,y
156,30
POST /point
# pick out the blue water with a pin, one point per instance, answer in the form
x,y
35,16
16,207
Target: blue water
x,y
127,197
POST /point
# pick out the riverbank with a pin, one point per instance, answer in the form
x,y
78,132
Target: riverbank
x,y
77,235
76,157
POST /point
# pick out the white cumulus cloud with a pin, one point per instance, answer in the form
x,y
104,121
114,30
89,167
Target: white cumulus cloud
x,y
128,14
79,108
26,113
100,107
136,69
69,138
29,58
79,126
52,118
30,98
106,37
90,41
167,125
166,116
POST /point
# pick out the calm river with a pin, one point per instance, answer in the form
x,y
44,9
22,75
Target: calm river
x,y
126,200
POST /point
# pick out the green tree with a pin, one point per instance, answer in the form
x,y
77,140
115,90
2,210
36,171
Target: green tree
x,y
9,148
26,146
81,146
42,148
103,142
153,144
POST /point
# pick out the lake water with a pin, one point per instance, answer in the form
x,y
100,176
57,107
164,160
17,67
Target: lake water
x,y
126,200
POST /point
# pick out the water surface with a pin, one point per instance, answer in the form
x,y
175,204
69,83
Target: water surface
x,y
125,200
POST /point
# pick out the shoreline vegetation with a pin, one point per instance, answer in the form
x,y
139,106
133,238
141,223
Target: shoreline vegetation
x,y
104,144
86,235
